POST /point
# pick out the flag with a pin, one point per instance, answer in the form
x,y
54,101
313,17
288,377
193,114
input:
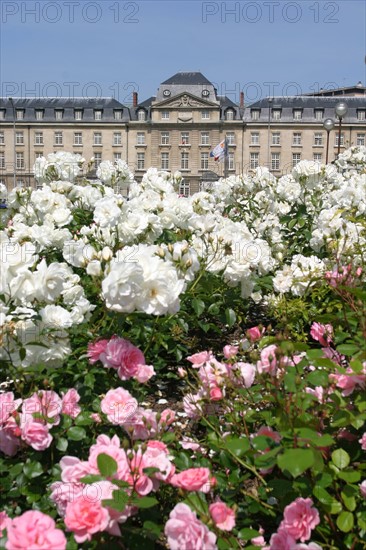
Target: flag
x,y
220,151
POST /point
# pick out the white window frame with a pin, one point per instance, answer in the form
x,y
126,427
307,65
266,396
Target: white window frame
x,y
318,157
2,138
164,138
98,114
230,138
97,159
276,114
118,114
254,138
117,138
318,114
140,161
140,138
296,138
59,114
275,161
360,139
165,115
318,138
97,138
204,161
185,188
276,138
39,114
231,161
58,138
78,138
19,159
78,114
205,114
298,158
254,160
336,139
205,138
164,161
2,159
19,114
255,114
229,115
297,114
141,115
38,138
19,138
361,114
184,160
117,156
184,138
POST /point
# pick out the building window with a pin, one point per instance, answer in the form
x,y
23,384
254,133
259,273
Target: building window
x,y
78,138
254,114
296,157
59,114
276,114
254,160
2,114
165,115
118,114
230,138
140,161
276,138
20,184
318,138
117,156
20,161
184,138
317,157
319,114
205,138
229,114
38,138
20,114
164,138
98,114
297,114
58,138
141,115
2,159
204,161
184,161
205,115
97,159
296,138
360,139
254,138
19,138
231,161
361,114
184,188
39,114
97,138
38,154
337,140
140,138
117,138
165,161
275,161
2,138
78,114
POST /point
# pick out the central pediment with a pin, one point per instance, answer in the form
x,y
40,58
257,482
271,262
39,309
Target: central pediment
x,y
185,100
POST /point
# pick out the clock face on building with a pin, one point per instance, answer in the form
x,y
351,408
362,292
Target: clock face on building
x,y
205,93
166,93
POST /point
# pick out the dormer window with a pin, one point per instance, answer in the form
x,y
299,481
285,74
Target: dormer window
x,y
166,93
118,114
59,114
361,114
319,114
98,114
297,114
141,115
276,114
255,114
205,93
229,114
39,114
78,114
20,114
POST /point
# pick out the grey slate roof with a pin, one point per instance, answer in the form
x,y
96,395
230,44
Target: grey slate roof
x,y
308,104
187,78
88,105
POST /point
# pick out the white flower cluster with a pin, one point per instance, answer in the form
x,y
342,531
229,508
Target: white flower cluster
x,y
58,166
352,158
116,174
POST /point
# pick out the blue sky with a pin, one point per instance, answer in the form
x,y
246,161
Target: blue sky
x,y
113,47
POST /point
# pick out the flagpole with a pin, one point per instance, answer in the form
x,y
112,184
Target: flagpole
x,y
226,159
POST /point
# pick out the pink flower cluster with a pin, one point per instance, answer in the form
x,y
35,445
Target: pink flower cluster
x,y
194,479
345,276
322,333
185,531
39,413
348,382
119,354
33,530
82,504
299,519
123,410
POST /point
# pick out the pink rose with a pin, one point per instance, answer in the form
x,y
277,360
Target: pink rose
x,y
363,488
120,354
96,350
198,359
96,417
255,333
193,479
34,530
299,518
188,443
185,532
222,515
47,404
230,351
349,381
268,361
70,405
167,417
4,522
7,406
362,441
282,540
36,435
119,406
246,373
215,394
9,441
322,333
182,373
144,373
85,517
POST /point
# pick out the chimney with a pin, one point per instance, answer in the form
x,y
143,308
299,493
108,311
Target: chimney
x,y
135,99
241,100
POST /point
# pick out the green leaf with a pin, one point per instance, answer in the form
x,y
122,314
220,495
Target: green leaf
x,y
318,378
198,500
75,433
295,461
351,476
32,469
348,349
345,521
118,502
340,458
153,528
92,478
144,502
230,317
349,498
62,444
106,465
198,306
329,502
237,445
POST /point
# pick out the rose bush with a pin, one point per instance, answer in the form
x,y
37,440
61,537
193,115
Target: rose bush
x,y
186,372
